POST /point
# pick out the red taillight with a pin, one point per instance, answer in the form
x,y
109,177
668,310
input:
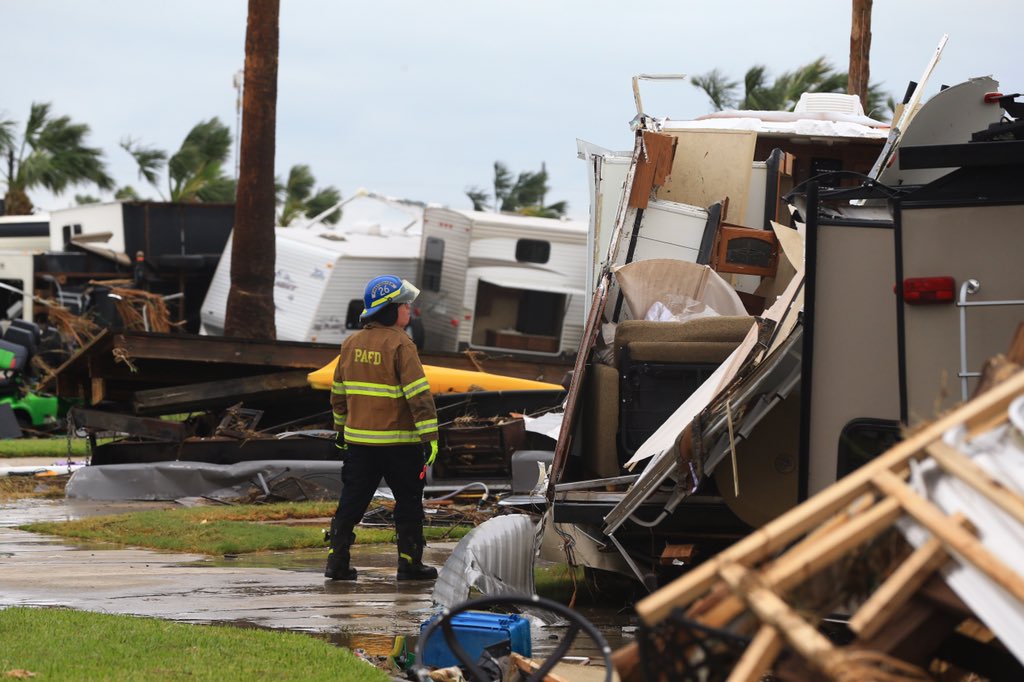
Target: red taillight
x,y
925,290
992,97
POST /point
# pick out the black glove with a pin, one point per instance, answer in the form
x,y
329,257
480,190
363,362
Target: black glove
x,y
339,442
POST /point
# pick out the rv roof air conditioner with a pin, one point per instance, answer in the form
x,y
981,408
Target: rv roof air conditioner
x,y
829,101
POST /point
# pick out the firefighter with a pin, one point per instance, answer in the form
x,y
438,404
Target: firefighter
x,y
387,427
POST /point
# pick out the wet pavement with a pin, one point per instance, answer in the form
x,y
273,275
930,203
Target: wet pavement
x,y
278,590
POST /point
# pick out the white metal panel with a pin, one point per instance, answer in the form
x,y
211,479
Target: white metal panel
x,y
215,303
606,181
16,270
346,283
512,278
301,272
754,217
11,224
854,362
94,218
442,312
933,124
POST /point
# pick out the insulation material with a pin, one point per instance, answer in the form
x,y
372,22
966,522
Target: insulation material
x,y
496,557
647,282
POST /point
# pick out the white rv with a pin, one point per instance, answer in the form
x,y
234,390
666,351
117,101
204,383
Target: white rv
x,y
318,280
501,282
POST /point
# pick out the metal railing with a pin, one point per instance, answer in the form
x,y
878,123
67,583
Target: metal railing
x,y
971,286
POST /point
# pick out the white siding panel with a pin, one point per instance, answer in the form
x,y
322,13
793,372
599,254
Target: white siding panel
x,y
93,218
215,304
438,309
347,282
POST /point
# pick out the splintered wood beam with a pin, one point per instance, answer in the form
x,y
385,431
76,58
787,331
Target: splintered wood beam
x,y
775,535
957,464
954,536
812,555
772,610
143,427
898,588
758,656
221,349
212,392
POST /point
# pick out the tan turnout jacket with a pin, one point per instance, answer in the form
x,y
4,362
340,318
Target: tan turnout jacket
x,y
380,395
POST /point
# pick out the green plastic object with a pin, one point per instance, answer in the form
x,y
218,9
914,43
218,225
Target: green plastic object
x,y
40,409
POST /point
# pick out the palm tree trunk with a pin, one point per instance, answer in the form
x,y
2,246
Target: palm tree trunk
x,y
250,309
860,50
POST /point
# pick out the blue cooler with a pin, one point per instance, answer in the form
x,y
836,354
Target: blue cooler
x,y
476,630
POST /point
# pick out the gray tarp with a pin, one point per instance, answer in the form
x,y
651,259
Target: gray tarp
x,y
174,480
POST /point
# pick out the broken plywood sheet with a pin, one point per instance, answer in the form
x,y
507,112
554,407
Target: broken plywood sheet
x,y
709,165
652,167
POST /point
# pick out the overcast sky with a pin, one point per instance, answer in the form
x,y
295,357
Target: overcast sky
x,y
418,99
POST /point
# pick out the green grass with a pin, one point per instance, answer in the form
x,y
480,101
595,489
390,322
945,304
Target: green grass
x,y
221,530
43,447
58,644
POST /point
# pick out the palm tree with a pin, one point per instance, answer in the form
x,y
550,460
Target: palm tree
x,y
525,195
784,91
51,153
195,173
296,197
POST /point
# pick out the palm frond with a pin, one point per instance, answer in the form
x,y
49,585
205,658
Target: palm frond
x,y
149,159
719,89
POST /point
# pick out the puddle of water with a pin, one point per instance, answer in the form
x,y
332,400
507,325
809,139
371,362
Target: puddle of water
x,y
271,590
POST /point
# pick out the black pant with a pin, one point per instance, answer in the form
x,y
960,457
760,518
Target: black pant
x,y
398,465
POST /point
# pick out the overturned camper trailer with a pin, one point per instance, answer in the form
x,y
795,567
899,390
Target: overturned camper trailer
x,y
319,276
501,282
730,446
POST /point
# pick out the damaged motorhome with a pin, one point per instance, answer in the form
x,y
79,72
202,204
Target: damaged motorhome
x,y
681,435
501,282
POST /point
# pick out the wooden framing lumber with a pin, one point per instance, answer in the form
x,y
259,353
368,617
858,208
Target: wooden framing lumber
x,y
762,650
194,396
898,588
954,536
808,557
776,534
772,610
144,427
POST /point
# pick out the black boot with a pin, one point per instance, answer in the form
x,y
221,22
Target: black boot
x,y
410,554
339,557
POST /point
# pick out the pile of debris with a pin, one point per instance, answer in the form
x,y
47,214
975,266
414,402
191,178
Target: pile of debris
x,y
920,546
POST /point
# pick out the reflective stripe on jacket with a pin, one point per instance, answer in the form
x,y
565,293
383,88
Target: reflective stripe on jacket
x,y
380,395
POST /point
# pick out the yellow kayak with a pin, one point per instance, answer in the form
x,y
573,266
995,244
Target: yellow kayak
x,y
448,380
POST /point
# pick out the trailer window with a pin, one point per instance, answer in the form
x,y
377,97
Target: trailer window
x,y
861,440
532,251
355,309
433,259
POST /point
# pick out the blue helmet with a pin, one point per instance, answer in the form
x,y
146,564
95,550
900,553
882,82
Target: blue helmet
x,y
383,290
